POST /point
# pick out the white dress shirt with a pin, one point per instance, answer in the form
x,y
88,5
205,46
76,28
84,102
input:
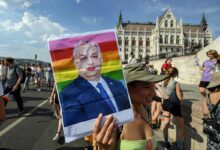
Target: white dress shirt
x,y
105,86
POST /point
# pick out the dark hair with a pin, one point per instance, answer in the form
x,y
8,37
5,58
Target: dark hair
x,y
134,83
171,72
218,59
213,89
9,59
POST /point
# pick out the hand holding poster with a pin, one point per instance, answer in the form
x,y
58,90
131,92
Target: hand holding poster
x,y
90,81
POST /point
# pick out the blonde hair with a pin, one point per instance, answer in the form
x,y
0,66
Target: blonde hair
x,y
213,53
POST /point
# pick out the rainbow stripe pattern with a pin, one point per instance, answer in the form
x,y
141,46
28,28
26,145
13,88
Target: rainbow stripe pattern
x,y
61,51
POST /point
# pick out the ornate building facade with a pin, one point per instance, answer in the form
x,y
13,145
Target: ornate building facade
x,y
165,36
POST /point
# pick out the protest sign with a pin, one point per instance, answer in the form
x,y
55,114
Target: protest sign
x,y
90,81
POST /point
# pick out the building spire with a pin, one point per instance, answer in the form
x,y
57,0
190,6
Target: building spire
x,y
203,23
120,18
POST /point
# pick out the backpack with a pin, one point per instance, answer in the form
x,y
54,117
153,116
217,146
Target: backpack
x,y
23,73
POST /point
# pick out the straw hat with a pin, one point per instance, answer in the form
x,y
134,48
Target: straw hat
x,y
215,80
138,72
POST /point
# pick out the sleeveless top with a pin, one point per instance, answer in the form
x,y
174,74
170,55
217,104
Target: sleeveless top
x,y
210,106
137,144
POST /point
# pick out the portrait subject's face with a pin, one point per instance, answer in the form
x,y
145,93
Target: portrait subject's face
x,y
89,62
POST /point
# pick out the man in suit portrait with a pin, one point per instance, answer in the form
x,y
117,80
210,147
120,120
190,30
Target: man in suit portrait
x,y
91,93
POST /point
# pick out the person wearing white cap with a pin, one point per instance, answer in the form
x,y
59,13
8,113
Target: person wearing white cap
x,y
212,101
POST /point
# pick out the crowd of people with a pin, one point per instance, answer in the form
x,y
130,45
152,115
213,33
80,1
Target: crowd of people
x,y
14,78
161,94
166,100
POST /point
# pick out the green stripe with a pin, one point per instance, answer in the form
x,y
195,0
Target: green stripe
x,y
117,75
62,85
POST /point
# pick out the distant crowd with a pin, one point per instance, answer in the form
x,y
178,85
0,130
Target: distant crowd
x,y
14,78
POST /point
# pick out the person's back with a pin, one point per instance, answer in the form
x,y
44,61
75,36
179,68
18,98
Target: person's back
x,y
12,75
214,98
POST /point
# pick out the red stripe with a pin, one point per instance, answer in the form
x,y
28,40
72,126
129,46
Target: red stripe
x,y
68,52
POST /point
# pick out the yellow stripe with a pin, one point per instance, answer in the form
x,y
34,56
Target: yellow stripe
x,y
70,74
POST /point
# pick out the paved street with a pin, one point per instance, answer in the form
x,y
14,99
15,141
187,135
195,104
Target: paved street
x,y
36,128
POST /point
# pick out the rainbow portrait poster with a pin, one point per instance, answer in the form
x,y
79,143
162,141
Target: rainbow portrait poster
x,y
90,80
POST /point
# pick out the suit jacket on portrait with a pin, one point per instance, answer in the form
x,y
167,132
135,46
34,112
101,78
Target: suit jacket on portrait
x,y
80,101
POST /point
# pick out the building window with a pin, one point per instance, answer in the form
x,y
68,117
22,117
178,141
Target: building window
x,y
119,41
171,23
177,40
140,50
148,42
200,43
166,23
133,50
186,43
161,39
171,39
177,49
140,42
193,42
140,56
126,56
171,49
161,49
166,39
126,50
133,42
120,49
126,41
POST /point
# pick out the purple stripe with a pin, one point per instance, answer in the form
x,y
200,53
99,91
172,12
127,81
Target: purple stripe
x,y
71,41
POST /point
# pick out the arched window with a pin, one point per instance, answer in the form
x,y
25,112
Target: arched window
x,y
166,39
171,23
126,56
147,42
193,42
161,39
119,41
126,41
133,41
140,42
177,40
166,23
186,43
171,39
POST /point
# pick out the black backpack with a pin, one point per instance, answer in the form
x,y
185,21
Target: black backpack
x,y
23,73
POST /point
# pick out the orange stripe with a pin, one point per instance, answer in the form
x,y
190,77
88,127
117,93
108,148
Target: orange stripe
x,y
63,64
66,64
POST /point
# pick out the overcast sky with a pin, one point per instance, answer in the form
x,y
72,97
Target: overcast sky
x,y
25,25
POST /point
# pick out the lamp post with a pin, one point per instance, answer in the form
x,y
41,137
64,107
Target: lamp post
x,y
35,58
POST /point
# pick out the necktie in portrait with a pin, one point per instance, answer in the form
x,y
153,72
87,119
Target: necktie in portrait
x,y
105,96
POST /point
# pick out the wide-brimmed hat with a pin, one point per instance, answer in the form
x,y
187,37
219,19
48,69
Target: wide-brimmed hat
x,y
138,72
215,80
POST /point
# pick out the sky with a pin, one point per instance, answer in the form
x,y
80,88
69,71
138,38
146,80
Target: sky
x,y
26,25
